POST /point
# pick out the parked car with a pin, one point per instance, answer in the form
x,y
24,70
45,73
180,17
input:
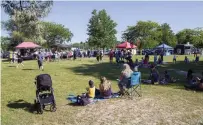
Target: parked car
x,y
5,54
29,57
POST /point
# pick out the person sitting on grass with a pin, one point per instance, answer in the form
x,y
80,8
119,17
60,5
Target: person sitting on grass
x,y
200,83
105,88
190,80
154,75
167,78
88,97
136,63
123,82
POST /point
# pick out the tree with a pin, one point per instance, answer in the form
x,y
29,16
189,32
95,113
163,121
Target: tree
x,y
168,37
24,17
101,30
5,43
148,32
55,33
193,36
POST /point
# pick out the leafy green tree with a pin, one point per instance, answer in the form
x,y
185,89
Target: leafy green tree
x,y
148,32
168,37
193,36
101,30
55,33
5,43
25,16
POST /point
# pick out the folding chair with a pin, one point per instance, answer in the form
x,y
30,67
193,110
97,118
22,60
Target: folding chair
x,y
135,85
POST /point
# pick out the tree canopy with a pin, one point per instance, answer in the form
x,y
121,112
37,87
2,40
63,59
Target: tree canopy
x,y
149,34
193,36
55,33
101,30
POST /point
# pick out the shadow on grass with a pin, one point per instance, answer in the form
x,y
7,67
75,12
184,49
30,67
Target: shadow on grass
x,y
21,104
5,60
73,104
113,71
29,69
11,66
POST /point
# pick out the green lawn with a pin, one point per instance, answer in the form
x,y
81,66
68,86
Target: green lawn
x,y
169,104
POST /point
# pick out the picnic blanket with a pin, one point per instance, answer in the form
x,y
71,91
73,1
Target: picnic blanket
x,y
73,98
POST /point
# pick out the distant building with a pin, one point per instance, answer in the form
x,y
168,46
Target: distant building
x,y
184,49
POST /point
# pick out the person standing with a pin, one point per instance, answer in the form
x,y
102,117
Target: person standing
x,y
111,56
20,60
174,59
100,55
155,58
97,55
40,61
74,55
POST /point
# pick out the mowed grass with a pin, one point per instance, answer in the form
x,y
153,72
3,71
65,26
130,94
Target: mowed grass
x,y
169,104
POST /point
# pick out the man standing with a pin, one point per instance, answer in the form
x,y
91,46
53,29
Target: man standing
x,y
40,61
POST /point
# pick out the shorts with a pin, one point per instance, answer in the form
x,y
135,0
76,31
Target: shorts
x,y
20,60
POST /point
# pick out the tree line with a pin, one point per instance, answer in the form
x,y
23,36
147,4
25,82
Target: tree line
x,y
25,24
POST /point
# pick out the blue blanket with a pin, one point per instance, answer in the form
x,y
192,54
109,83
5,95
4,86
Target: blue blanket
x,y
73,98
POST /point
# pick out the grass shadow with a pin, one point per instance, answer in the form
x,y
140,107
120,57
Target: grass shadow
x,y
29,69
74,104
5,60
21,104
111,71
11,66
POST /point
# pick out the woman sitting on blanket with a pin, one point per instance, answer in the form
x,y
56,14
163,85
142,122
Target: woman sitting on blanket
x,y
194,83
105,88
167,79
154,76
200,83
190,80
124,78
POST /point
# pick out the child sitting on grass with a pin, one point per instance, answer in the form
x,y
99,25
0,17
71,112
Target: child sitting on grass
x,y
88,97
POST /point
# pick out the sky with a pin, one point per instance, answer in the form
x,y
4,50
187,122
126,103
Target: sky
x,y
76,15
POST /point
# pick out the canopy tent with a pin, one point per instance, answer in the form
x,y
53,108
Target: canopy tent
x,y
164,46
126,45
27,45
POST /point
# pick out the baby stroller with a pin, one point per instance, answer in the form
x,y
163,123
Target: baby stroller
x,y
44,93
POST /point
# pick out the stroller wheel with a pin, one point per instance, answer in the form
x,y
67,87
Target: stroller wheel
x,y
39,108
43,107
53,108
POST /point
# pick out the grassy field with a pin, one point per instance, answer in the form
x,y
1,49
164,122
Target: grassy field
x,y
162,105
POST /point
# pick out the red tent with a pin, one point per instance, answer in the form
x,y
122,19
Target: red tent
x,y
27,45
126,45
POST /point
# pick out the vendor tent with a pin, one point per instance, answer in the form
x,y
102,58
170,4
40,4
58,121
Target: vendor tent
x,y
164,46
126,45
27,45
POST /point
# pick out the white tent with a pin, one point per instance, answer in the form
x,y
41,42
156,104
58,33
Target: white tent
x,y
164,46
